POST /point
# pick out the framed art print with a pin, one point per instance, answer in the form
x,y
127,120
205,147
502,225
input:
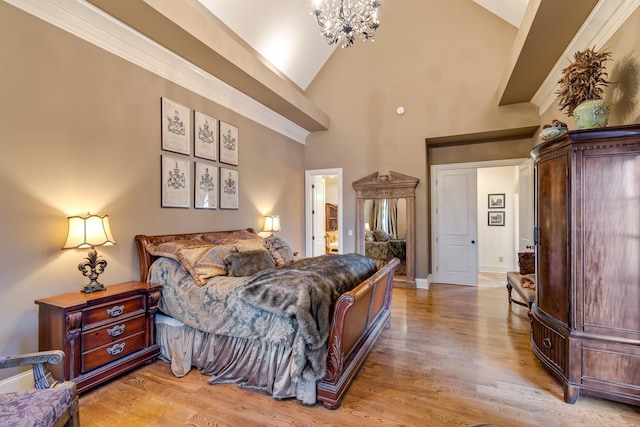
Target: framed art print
x,y
175,127
228,144
228,188
496,201
175,182
496,218
206,136
206,185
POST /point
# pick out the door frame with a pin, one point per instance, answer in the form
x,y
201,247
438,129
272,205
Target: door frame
x,y
434,218
308,227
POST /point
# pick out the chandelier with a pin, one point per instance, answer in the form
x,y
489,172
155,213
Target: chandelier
x,y
341,20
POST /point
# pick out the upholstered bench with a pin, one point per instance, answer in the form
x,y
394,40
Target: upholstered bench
x,y
526,289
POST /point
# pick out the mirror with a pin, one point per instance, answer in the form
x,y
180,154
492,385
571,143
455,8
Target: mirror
x,y
385,232
380,198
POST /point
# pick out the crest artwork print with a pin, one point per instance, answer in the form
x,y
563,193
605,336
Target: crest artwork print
x,y
175,182
206,185
228,144
206,136
228,188
175,127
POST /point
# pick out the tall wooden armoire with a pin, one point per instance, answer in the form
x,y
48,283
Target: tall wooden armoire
x,y
586,315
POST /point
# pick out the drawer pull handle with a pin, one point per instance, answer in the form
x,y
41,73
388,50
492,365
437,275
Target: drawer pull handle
x,y
116,330
547,343
118,348
115,311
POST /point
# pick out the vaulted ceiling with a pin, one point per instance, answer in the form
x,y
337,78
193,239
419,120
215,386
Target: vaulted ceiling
x,y
284,31
225,48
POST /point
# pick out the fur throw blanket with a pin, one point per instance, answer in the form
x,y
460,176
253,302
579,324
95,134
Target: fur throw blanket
x,y
306,292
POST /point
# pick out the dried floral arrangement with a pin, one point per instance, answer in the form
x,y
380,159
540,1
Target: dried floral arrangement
x,y
584,79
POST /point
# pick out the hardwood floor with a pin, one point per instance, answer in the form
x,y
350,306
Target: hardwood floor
x,y
453,356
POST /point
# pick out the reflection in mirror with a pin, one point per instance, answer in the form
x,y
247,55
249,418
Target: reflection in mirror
x,y
386,231
393,213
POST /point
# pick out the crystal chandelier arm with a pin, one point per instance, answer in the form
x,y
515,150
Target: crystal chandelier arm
x,y
342,20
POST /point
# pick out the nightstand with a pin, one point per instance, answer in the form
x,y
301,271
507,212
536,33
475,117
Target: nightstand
x,y
103,334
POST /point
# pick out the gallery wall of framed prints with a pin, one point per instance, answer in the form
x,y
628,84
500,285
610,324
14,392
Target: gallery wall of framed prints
x,y
496,201
212,186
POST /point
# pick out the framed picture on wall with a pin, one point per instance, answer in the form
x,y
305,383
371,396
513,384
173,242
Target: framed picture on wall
x,y
496,218
175,182
175,127
206,186
228,188
496,201
206,136
228,144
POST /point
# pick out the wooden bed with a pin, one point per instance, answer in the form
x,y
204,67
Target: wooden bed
x,y
358,319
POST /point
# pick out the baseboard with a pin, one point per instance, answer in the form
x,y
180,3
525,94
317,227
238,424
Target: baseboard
x,y
423,283
20,382
495,269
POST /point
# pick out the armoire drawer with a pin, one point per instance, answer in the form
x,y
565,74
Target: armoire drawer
x,y
549,343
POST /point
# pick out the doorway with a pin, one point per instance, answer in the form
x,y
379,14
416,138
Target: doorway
x,y
323,209
466,238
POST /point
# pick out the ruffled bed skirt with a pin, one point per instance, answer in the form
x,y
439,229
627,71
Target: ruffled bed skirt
x,y
250,364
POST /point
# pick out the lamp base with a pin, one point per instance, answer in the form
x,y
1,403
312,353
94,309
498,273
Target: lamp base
x,y
93,287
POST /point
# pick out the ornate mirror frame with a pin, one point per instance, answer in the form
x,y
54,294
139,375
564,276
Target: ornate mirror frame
x,y
392,186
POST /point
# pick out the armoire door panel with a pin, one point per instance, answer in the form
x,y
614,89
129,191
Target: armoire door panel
x,y
552,237
611,230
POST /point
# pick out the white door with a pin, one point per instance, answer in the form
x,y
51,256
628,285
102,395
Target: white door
x,y
311,221
525,206
456,231
317,216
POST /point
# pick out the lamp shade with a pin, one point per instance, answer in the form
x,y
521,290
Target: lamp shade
x,y
89,231
271,223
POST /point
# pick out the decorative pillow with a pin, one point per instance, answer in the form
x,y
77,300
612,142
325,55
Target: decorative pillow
x,y
250,245
368,236
381,236
205,262
170,248
229,237
248,263
280,250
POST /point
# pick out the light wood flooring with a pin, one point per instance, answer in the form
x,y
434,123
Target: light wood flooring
x,y
453,356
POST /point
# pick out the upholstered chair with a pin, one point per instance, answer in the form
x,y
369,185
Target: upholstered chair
x,y
51,403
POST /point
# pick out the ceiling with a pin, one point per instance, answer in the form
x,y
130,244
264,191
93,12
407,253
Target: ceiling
x,y
216,54
285,33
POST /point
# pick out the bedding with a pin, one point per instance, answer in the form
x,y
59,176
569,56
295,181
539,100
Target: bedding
x,y
382,248
302,329
286,309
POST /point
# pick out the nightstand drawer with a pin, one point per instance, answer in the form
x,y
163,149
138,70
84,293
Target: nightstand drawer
x,y
112,351
116,331
113,310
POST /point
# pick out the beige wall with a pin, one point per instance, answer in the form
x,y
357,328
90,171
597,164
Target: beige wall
x,y
624,75
80,131
445,72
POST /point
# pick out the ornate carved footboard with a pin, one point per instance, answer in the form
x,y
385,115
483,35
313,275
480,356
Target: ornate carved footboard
x,y
358,320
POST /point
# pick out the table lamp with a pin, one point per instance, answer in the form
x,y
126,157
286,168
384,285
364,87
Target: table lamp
x,y
271,223
88,232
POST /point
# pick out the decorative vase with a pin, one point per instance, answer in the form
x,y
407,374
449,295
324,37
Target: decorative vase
x,y
551,132
593,113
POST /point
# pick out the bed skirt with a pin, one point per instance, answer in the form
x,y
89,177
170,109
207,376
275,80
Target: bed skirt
x,y
252,364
